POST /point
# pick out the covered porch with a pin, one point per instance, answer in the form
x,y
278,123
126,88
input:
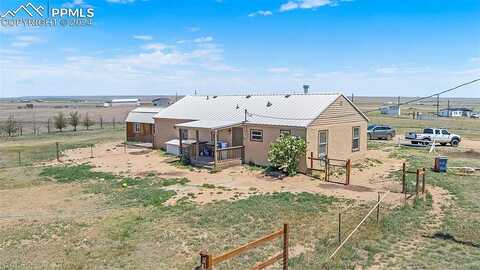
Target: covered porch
x,y
217,144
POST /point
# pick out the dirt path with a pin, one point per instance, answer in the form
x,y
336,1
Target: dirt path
x,y
416,241
368,178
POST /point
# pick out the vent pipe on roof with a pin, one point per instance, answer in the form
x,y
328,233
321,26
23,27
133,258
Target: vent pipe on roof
x,y
305,88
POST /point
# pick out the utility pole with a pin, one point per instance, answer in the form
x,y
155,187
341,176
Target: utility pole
x,y
398,106
438,105
352,97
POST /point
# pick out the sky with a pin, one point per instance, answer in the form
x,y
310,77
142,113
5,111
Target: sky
x,y
161,47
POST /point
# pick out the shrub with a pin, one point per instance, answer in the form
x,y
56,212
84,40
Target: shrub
x,y
60,121
74,120
285,152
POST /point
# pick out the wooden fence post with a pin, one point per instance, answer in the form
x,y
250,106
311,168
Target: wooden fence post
x,y
348,169
327,164
417,183
285,246
19,158
125,147
58,151
339,227
205,260
404,183
311,162
423,181
91,150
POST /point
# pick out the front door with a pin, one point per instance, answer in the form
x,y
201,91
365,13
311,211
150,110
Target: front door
x,y
237,136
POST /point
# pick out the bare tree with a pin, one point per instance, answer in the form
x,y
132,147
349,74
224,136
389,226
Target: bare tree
x,y
11,126
60,121
87,121
74,120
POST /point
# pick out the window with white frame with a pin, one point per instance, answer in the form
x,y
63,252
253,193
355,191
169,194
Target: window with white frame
x,y
256,135
355,139
136,127
322,143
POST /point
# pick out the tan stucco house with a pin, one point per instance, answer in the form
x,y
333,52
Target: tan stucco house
x,y
226,130
140,124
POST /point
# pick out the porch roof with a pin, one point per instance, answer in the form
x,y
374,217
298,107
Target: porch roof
x,y
209,124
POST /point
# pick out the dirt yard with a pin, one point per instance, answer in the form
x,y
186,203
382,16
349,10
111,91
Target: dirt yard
x,y
369,176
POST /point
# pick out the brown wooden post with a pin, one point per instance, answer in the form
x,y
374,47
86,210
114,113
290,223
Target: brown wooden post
x,y
404,183
19,158
348,169
417,183
197,144
58,151
339,227
423,181
180,150
311,162
205,260
125,147
91,150
285,246
215,141
326,168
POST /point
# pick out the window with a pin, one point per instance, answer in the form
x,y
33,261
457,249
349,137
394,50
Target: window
x,y
322,143
355,139
285,132
444,132
256,135
184,134
437,131
428,131
136,127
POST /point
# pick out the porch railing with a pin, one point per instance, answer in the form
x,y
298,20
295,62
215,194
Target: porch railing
x,y
230,153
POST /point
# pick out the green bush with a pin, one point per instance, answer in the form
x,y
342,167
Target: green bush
x,y
285,152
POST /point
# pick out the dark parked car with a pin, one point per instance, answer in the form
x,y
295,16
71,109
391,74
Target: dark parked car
x,y
380,132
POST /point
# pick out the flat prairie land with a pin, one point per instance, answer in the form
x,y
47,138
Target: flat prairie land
x,y
104,206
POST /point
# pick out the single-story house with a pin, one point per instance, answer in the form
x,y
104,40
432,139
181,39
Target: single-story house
x,y
140,124
456,112
162,101
232,129
390,110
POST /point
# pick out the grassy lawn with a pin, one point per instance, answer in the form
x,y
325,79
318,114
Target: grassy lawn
x,y
134,228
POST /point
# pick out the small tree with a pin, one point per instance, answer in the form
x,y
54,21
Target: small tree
x,y
285,152
74,120
10,127
60,121
87,121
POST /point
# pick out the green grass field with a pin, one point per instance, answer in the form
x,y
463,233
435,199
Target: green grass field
x,y
131,228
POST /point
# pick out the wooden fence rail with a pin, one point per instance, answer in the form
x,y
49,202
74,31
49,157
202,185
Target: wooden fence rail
x,y
331,162
208,261
418,173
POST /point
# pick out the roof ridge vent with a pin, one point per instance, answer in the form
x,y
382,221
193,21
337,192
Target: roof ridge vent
x,y
269,104
287,95
214,96
248,96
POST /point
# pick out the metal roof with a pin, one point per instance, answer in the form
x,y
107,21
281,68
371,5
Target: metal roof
x,y
209,124
283,110
143,115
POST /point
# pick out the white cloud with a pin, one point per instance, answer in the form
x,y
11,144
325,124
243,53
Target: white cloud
x,y
278,70
192,29
308,4
401,69
143,37
203,39
155,46
75,3
120,1
475,59
260,13
25,41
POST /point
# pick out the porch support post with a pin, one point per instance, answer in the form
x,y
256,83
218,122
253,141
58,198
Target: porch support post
x,y
180,141
197,144
215,140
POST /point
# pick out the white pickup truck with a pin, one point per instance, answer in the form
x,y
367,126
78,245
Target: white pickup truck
x,y
430,135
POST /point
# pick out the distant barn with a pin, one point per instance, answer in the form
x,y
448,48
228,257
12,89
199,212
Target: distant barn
x,y
162,102
122,102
